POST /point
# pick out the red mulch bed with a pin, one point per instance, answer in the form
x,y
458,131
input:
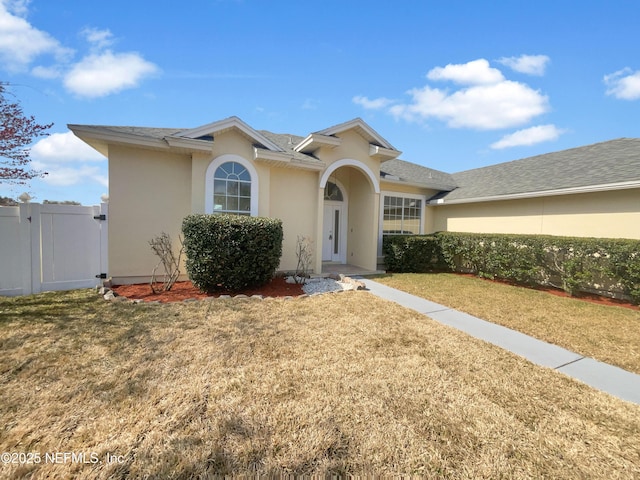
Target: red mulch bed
x,y
587,297
185,290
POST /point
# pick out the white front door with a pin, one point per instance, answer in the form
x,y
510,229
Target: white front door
x,y
332,241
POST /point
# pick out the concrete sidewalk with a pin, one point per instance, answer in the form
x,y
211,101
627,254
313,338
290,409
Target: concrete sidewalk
x,y
610,379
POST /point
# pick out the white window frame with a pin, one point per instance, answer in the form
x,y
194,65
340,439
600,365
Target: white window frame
x,y
403,195
211,170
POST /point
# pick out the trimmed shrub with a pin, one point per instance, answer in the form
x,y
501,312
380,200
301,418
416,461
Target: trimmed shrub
x,y
506,257
231,252
412,253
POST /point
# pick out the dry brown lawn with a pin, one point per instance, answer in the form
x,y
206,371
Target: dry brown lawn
x,y
610,334
334,384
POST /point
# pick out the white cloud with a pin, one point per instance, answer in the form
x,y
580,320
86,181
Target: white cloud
x,y
624,84
98,38
20,42
64,147
375,104
529,64
486,100
47,72
98,75
66,176
528,136
484,107
68,161
476,72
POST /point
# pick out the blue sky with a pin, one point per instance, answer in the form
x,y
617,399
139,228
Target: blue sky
x,y
454,85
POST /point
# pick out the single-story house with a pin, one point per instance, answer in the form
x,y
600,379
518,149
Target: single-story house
x,y
344,187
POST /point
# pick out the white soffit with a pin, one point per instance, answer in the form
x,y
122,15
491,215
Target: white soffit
x,y
315,141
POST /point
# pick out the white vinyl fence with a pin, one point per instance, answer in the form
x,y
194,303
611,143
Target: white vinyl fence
x,y
52,247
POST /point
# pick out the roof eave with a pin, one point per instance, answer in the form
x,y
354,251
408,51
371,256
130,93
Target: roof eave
x,y
314,141
434,186
189,143
383,154
282,159
100,138
543,193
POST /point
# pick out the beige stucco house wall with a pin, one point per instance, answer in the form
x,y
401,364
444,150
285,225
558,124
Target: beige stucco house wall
x,y
345,189
149,191
598,214
159,176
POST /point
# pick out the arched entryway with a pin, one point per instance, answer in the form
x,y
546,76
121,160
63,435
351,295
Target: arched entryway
x,y
348,215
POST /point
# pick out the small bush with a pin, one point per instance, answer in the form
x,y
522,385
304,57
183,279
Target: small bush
x,y
231,252
163,248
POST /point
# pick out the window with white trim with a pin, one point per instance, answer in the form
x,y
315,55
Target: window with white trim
x,y
232,189
401,215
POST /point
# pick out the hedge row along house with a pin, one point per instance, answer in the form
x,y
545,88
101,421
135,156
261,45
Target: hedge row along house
x,y
344,187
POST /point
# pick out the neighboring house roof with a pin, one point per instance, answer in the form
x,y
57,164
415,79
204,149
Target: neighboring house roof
x,y
409,173
610,165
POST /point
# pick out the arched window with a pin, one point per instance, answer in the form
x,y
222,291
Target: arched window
x,y
232,189
332,192
231,186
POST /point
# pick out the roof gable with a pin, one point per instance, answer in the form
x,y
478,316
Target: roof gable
x,y
330,137
362,128
216,128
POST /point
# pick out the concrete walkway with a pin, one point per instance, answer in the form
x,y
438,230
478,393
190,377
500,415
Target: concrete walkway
x,y
610,379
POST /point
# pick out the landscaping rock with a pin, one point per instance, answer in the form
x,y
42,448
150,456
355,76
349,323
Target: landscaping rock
x,y
353,284
293,279
321,285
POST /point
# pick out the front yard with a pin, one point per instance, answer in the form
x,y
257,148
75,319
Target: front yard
x,y
610,334
339,383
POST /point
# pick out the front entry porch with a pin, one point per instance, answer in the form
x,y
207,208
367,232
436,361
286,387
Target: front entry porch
x,y
329,268
347,220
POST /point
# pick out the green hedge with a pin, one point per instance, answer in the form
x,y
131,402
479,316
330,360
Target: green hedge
x,y
574,264
231,252
412,253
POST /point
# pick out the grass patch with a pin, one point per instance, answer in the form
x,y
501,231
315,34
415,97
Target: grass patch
x,y
336,384
607,333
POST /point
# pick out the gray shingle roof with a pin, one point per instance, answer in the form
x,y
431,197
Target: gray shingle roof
x,y
155,133
611,162
287,142
416,174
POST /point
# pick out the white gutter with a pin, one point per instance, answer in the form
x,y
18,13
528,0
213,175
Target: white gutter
x,y
542,193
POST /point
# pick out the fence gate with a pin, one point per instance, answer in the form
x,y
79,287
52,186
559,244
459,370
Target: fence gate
x,y
51,247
